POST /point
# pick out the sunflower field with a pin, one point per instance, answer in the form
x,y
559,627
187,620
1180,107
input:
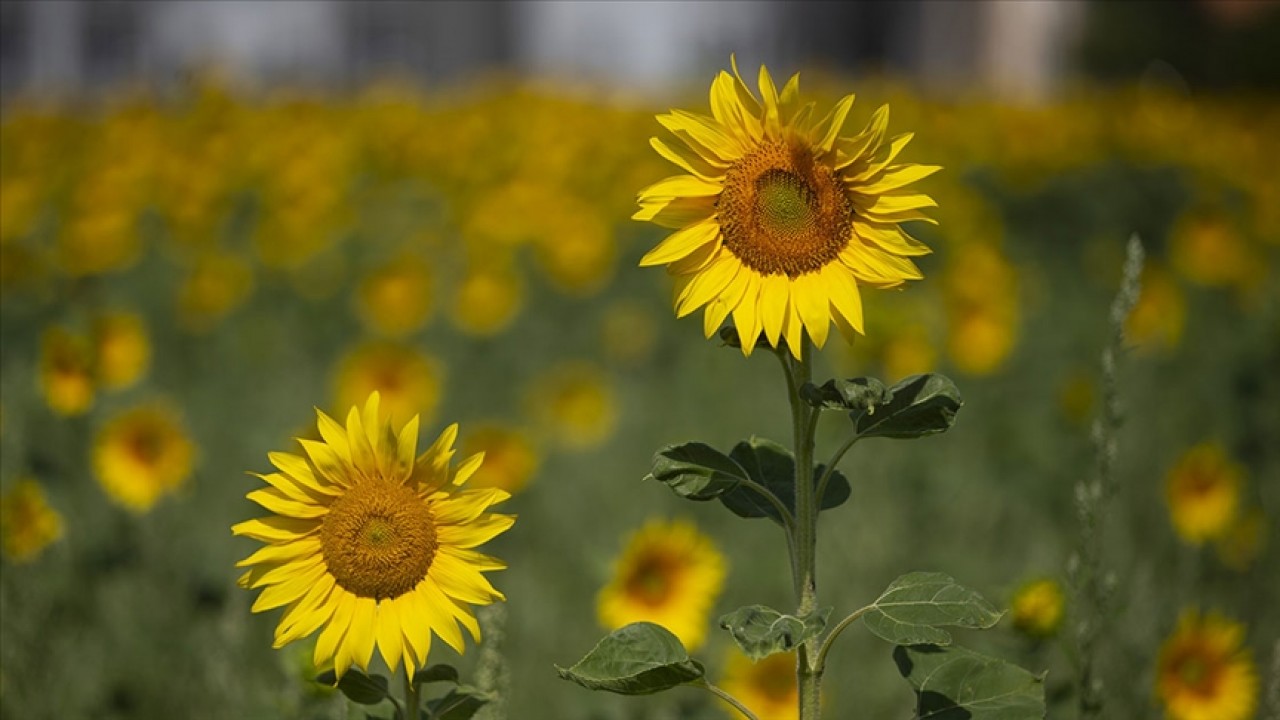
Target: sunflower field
x,y
197,288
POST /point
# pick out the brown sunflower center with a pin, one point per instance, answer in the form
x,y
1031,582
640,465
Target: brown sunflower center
x,y
1198,672
782,212
652,580
379,540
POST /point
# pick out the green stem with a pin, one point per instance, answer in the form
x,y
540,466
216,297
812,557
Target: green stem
x,y
821,662
788,521
729,699
831,466
411,701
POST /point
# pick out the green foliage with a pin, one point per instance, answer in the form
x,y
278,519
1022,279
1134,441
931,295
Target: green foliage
x,y
773,468
953,683
460,703
639,659
439,672
762,631
919,405
696,471
856,394
358,687
912,608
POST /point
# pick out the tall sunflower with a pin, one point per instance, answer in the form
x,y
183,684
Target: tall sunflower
x,y
779,218
1205,673
373,543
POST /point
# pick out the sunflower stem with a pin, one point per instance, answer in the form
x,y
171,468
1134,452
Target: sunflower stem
x,y
411,701
737,705
798,372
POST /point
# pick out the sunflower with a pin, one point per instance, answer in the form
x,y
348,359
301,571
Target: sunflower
x,y
66,371
767,687
396,299
373,542
780,219
1037,608
217,283
575,402
141,454
27,523
669,574
408,381
1204,673
488,298
123,349
1203,491
510,457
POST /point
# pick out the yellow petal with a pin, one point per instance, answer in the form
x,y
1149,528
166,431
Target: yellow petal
x,y
865,143
334,435
276,574
707,284
876,266
697,260
283,552
331,466
389,635
842,291
362,456
679,245
407,448
769,96
431,606
773,306
474,533
298,470
745,98
689,161
465,506
888,237
793,330
676,213
719,308
681,186
703,135
312,612
295,588
467,468
361,636
809,296
746,314
296,491
729,112
416,633
892,204
441,451
475,560
789,99
896,177
333,633
279,503
275,528
837,118
461,581
862,171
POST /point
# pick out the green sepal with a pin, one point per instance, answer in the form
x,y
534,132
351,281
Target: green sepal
x,y
638,659
460,703
729,336
773,467
911,609
919,405
696,471
953,683
762,631
358,687
862,394
440,672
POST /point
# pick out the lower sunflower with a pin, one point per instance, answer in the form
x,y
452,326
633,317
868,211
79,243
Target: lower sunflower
x,y
373,543
1204,671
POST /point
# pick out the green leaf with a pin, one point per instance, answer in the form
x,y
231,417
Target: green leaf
x,y
358,687
857,394
919,405
773,467
460,703
439,672
957,684
696,471
729,336
638,659
761,631
912,608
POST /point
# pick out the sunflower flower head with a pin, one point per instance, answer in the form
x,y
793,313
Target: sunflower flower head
x,y
141,455
1038,608
373,543
66,371
27,523
1203,491
1205,672
669,574
123,349
780,217
767,687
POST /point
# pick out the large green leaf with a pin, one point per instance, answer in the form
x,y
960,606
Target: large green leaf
x,y
460,703
855,394
773,467
762,631
638,659
695,471
358,687
440,672
919,405
953,683
912,608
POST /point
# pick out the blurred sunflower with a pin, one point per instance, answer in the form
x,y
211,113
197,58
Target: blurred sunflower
x,y
123,349
142,454
1038,607
1204,672
217,283
373,542
487,298
767,687
628,332
510,457
409,382
395,299
27,523
574,403
669,574
1241,544
908,351
1159,315
1203,492
780,219
66,371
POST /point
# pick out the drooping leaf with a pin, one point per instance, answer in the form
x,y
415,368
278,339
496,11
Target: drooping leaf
x,y
460,703
860,395
358,687
762,631
919,405
773,467
638,659
913,608
439,672
953,683
695,471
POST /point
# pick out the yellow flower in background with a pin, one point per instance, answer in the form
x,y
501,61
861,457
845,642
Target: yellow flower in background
x,y
1204,671
410,383
123,349
908,351
141,455
373,543
982,302
981,339
99,241
396,299
1241,544
578,252
1208,249
1203,492
628,332
780,219
1038,608
510,457
575,404
66,371
1160,314
217,283
669,574
27,523
767,687
487,298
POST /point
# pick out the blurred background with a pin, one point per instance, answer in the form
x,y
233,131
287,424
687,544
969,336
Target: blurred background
x,y
215,216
